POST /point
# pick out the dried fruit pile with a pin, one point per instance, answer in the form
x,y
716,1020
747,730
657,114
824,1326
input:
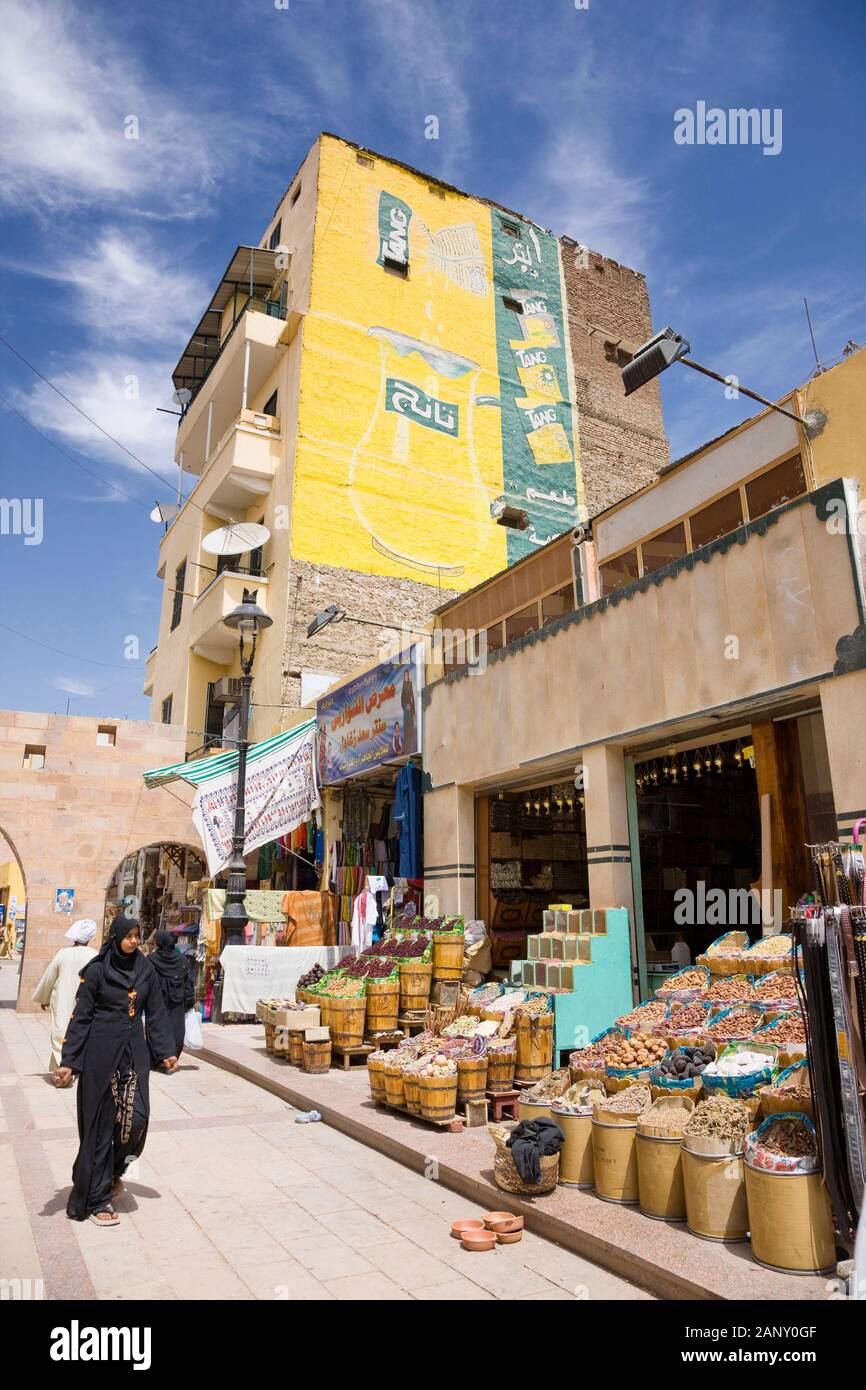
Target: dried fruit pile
x,y
376,967
772,947
734,990
790,1138
688,979
643,1050
534,1007
407,948
687,1062
644,1016
592,1058
549,1087
686,1020
779,985
343,987
720,1118
312,977
462,1027
735,1028
439,1065
791,1030
634,1100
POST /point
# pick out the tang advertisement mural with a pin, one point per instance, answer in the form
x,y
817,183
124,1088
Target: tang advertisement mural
x,y
435,379
373,719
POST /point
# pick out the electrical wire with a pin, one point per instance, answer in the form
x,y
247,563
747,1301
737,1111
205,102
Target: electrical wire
x,y
71,656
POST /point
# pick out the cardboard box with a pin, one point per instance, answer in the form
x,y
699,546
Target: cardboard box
x,y
317,1034
297,1020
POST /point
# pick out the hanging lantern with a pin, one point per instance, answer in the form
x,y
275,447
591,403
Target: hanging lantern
x,y
697,765
718,760
708,762
738,754
654,775
684,770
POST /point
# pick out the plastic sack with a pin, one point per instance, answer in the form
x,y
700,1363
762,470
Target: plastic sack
x,y
760,1157
193,1038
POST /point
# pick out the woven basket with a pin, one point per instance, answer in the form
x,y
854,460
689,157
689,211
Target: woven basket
x,y
376,1077
505,1172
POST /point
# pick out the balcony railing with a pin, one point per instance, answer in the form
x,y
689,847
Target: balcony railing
x,y
273,308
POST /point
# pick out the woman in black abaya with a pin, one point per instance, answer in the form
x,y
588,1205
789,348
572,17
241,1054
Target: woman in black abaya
x,y
106,1046
175,983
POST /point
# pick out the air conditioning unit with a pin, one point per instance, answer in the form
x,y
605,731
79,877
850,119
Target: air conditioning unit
x,y
226,690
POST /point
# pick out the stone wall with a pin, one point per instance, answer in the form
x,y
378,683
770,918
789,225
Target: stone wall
x,y
346,647
73,821
622,438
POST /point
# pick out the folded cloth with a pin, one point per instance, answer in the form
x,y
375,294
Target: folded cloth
x,y
529,1142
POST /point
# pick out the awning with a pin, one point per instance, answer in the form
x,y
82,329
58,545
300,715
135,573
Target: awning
x,y
206,769
251,273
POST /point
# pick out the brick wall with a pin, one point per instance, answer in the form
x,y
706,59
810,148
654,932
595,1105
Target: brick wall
x,y
622,439
345,647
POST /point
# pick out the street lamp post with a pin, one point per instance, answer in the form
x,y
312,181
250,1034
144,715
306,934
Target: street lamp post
x,y
248,620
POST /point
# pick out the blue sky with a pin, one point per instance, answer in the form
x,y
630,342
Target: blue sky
x,y
111,247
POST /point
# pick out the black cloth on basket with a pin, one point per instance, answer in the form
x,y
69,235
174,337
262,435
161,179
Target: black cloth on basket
x,y
105,1044
175,981
529,1142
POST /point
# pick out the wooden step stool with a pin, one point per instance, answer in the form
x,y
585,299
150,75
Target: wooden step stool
x,y
503,1104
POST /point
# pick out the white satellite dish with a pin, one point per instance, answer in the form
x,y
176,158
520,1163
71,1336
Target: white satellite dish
x,y
182,397
236,539
164,512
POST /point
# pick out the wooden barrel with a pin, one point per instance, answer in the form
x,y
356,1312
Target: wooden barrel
x,y
303,996
376,1077
270,1031
500,1071
296,1049
614,1161
660,1177
415,981
575,1156
447,955
346,1021
534,1047
471,1078
438,1096
316,1056
324,1009
715,1193
383,1005
394,1093
411,1091
282,1042
790,1221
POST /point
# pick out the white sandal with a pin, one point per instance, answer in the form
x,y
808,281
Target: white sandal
x,y
105,1211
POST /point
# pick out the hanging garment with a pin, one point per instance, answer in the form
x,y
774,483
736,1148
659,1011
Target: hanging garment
x,y
58,987
365,915
408,813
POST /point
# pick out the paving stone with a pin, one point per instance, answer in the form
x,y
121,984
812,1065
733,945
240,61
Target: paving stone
x,y
367,1287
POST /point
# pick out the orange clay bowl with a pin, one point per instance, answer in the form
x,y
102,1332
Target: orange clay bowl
x,y
503,1225
491,1216
508,1237
459,1228
478,1240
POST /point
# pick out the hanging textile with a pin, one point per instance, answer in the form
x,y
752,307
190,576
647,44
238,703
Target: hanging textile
x,y
408,813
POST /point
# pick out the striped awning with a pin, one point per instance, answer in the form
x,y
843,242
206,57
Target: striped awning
x,y
204,770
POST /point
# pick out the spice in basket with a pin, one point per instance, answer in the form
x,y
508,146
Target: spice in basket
x,y
645,1015
686,1062
344,987
731,989
643,1050
634,1100
533,1008
719,1118
549,1086
580,1096
789,1137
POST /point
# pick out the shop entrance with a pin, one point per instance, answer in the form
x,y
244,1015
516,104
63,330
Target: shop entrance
x,y
157,885
531,851
13,903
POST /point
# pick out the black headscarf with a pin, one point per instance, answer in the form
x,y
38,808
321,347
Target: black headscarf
x,y
166,956
119,967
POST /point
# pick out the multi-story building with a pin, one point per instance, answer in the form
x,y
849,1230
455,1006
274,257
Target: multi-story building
x,y
393,365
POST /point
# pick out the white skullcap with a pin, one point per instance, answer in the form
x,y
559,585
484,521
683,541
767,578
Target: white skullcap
x,y
81,931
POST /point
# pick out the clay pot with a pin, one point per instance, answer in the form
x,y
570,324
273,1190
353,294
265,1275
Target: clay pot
x,y
508,1237
499,1216
459,1228
478,1240
506,1227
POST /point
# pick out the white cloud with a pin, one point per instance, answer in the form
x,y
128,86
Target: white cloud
x,y
73,687
66,93
588,194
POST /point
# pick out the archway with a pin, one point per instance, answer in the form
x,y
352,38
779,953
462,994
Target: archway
x,y
13,901
155,884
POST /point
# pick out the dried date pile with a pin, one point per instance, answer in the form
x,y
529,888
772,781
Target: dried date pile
x,y
312,977
644,1016
687,1020
734,1029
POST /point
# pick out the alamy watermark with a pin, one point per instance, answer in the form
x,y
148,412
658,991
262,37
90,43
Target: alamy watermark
x,y
455,648
22,516
737,126
732,907
22,1290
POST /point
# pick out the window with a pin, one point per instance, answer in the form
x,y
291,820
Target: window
x,y
270,406
34,757
365,160
718,519
558,604
166,709
495,640
396,267
274,238
213,719
513,304
106,736
615,573
520,623
295,196
774,488
177,598
662,549
509,229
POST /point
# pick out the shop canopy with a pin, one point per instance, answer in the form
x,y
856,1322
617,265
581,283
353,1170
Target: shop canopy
x,y
204,770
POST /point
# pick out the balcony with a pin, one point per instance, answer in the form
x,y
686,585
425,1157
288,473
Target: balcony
x,y
242,465
208,635
149,668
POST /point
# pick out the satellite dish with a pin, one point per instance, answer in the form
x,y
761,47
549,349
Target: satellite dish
x,y
164,512
236,539
182,397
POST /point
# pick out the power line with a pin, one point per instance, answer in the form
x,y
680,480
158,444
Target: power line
x,y
71,656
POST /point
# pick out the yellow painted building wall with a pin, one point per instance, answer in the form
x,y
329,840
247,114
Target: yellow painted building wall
x,y
399,481
838,451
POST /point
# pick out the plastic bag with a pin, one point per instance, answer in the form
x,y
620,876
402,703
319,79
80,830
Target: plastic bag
x,y
193,1038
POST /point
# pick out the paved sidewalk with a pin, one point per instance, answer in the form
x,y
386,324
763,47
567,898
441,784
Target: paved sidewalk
x,y
232,1199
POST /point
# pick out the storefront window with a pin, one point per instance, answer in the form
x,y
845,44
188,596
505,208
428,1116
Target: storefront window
x,y
662,549
773,489
615,573
520,623
495,640
558,604
718,519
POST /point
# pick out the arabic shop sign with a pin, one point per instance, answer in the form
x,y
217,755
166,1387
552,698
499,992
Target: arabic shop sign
x,y
371,720
408,400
